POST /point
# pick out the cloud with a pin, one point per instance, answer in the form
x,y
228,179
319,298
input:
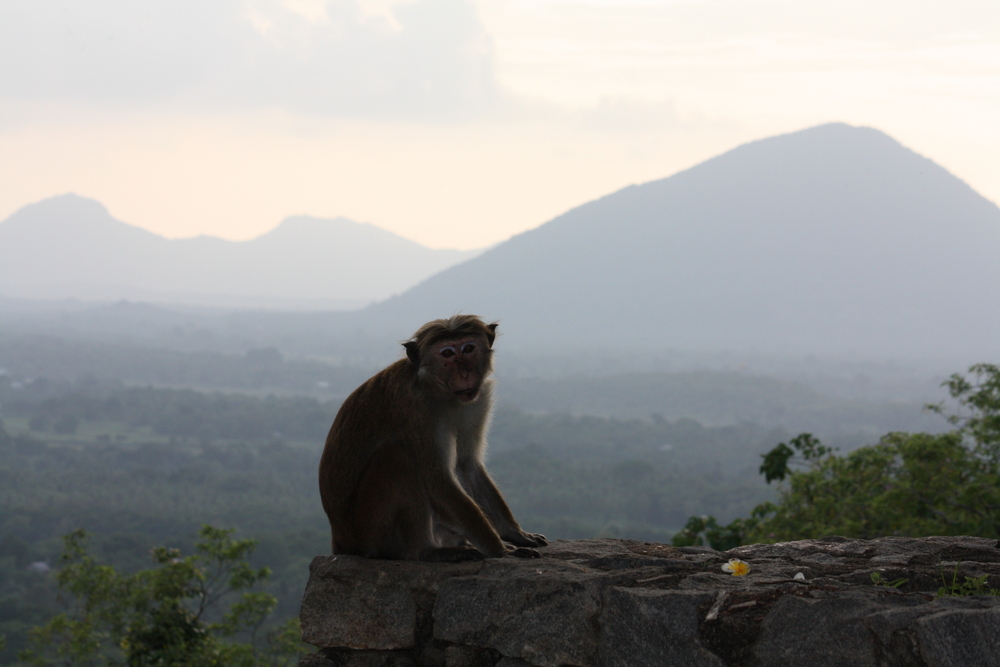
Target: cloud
x,y
424,60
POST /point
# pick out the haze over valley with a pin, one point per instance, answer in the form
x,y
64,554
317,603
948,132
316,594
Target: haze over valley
x,y
832,257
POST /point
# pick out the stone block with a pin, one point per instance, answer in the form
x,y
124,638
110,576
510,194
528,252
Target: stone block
x,y
547,616
654,628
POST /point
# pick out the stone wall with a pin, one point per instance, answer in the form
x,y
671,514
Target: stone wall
x,y
623,603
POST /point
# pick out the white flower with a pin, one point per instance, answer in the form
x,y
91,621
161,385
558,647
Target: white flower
x,y
736,567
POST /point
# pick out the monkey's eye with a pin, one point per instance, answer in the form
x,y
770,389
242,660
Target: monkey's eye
x,y
447,352
468,348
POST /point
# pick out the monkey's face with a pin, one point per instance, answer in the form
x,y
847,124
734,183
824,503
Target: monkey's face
x,y
458,365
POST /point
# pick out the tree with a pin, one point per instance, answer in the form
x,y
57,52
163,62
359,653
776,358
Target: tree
x,y
166,616
979,405
912,484
706,531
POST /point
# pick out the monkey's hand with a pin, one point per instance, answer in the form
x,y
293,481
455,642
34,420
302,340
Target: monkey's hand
x,y
523,539
522,552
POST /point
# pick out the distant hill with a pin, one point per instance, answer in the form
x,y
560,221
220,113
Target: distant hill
x,y
71,247
834,239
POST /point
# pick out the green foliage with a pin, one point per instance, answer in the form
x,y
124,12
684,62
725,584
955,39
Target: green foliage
x,y
65,408
907,484
877,579
912,484
262,369
776,462
706,531
970,586
979,400
164,616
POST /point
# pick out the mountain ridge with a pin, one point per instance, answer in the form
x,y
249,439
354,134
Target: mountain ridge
x,y
829,238
304,261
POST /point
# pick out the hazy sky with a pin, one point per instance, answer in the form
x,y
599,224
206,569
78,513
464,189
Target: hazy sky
x,y
456,123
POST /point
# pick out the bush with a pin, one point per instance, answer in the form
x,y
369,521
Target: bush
x,y
912,484
164,616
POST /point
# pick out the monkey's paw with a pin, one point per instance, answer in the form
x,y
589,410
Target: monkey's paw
x,y
539,540
523,539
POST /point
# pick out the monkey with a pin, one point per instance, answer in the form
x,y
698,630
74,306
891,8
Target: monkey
x,y
402,474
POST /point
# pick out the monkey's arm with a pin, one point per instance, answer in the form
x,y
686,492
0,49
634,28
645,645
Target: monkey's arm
x,y
457,510
484,491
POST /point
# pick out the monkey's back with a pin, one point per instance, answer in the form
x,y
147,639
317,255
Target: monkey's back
x,y
386,407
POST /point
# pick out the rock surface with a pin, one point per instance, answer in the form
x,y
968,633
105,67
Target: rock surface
x,y
604,603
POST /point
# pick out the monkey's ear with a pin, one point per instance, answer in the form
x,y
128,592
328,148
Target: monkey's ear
x,y
412,351
492,336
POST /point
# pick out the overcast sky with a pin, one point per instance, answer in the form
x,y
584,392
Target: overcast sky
x,y
459,123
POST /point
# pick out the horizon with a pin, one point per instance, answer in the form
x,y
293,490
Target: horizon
x,y
460,124
290,217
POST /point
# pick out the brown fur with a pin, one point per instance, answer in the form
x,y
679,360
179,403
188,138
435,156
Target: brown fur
x,y
402,473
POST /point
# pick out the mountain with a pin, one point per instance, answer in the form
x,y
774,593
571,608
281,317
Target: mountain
x,y
830,240
834,241
69,246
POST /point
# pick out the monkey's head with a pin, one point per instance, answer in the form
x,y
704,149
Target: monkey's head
x,y
453,356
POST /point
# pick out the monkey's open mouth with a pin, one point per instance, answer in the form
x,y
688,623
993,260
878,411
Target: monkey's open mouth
x,y
467,394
